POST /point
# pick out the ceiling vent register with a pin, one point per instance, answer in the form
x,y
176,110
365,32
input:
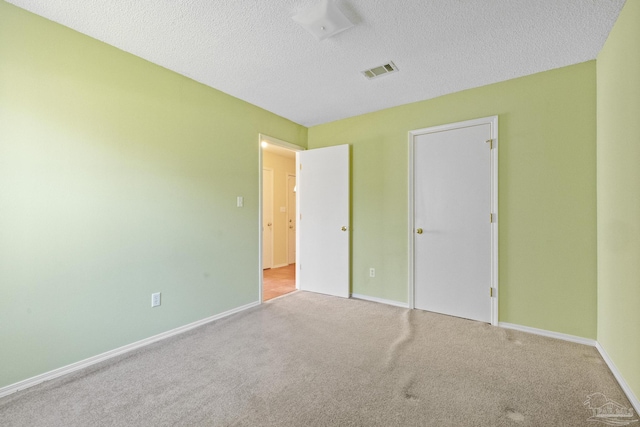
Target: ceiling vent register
x,y
382,70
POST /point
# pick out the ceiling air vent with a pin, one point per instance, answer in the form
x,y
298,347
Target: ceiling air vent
x,y
380,71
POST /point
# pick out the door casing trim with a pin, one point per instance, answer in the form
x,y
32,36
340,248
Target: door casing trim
x,y
493,122
283,144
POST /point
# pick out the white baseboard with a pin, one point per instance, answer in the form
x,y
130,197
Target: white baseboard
x,y
550,334
30,382
623,384
633,399
279,266
380,300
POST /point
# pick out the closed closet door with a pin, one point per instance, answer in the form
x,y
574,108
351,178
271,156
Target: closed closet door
x,y
452,217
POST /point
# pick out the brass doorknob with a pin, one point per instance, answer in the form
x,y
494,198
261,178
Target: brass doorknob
x,y
344,228
419,231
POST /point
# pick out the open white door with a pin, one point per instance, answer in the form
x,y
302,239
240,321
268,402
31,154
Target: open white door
x,y
323,220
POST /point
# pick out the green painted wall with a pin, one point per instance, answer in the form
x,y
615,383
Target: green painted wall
x,y
547,197
118,178
618,68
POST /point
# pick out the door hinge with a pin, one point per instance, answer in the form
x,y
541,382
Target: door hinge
x,y
300,166
491,292
490,142
491,218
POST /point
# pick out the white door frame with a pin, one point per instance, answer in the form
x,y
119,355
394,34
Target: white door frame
x,y
284,144
493,121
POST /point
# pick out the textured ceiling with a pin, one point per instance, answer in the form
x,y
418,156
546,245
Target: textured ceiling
x,y
253,50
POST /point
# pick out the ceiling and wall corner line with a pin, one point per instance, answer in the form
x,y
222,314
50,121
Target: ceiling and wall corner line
x,y
256,52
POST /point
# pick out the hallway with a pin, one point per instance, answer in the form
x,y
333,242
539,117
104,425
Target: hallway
x,y
278,281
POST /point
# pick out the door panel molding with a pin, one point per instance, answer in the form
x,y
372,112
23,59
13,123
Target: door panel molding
x,y
413,135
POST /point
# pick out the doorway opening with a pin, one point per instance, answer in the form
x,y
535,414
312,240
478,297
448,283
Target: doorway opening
x,y
278,227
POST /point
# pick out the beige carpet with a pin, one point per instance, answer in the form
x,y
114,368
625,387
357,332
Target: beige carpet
x,y
314,360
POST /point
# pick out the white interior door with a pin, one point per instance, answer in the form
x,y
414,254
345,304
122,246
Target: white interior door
x,y
323,220
267,218
452,218
291,219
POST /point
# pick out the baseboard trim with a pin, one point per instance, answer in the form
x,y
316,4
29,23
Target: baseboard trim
x,y
47,376
380,300
616,373
279,266
550,334
633,399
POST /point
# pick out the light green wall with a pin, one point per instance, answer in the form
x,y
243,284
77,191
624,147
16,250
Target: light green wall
x,y
618,68
118,178
547,197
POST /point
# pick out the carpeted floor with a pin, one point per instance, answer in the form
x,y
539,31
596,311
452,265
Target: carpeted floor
x,y
314,360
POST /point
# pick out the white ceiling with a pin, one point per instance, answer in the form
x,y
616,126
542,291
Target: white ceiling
x,y
253,50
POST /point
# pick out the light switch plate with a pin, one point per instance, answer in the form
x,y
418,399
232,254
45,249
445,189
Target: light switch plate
x,y
155,299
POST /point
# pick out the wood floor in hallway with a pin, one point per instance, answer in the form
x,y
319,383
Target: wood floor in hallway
x,y
278,281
